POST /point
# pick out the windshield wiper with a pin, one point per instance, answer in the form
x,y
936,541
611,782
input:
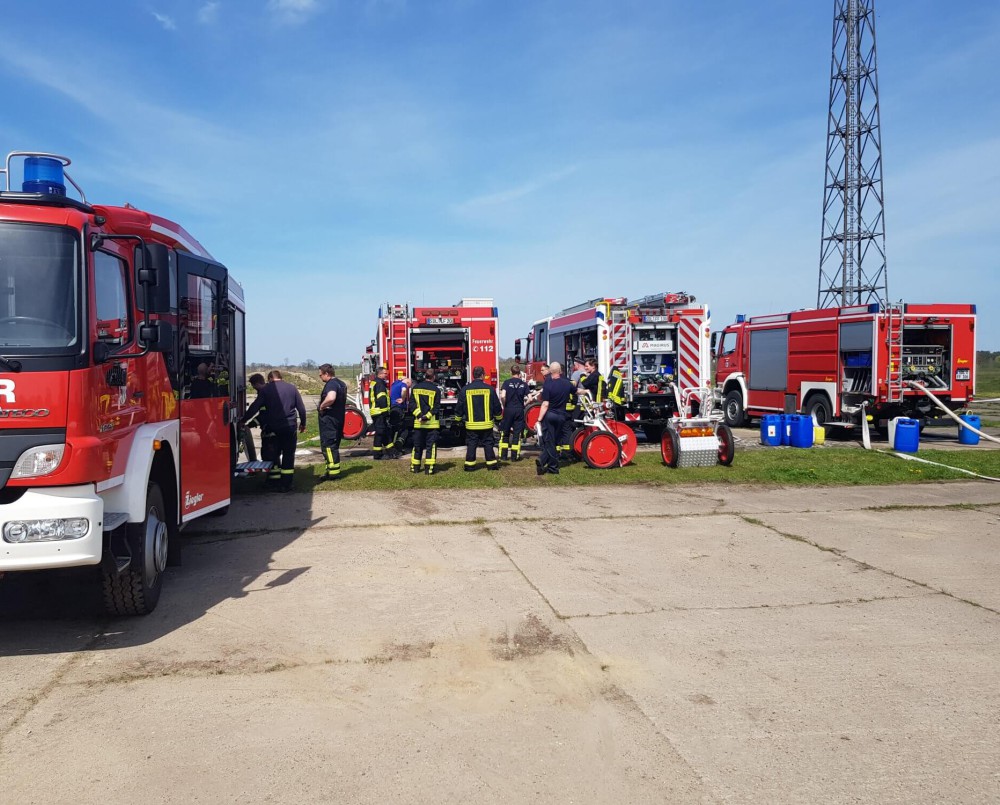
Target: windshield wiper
x,y
12,365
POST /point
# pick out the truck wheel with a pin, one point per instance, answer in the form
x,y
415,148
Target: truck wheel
x,y
727,446
670,448
819,406
136,591
246,444
602,450
732,410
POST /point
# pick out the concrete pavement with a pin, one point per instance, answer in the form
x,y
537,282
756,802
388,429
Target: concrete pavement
x,y
582,645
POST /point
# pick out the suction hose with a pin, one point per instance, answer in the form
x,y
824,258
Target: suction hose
x,y
922,388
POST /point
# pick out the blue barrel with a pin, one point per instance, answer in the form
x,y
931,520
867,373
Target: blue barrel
x,y
800,430
786,429
907,436
966,436
770,430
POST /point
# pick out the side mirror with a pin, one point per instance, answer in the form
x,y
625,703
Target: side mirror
x,y
715,340
152,271
101,352
517,350
157,336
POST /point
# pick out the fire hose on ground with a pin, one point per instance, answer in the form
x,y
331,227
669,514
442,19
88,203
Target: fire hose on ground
x,y
866,439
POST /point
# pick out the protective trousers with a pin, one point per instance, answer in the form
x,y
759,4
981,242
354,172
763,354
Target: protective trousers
x,y
330,432
285,441
269,452
400,422
511,430
552,430
424,445
474,439
383,438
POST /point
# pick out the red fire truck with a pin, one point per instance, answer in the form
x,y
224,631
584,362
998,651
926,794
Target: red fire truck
x,y
450,340
656,342
121,379
845,364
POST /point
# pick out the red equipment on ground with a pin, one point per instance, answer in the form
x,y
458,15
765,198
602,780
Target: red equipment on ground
x,y
843,365
122,377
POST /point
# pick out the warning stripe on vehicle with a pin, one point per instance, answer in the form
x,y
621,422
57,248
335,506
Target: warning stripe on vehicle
x,y
689,330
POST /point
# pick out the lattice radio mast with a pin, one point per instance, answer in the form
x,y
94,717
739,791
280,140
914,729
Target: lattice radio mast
x,y
852,268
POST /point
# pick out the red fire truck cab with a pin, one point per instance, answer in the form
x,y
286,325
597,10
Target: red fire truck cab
x,y
121,379
845,364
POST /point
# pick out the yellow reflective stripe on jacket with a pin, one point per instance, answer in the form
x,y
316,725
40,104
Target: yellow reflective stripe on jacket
x,y
423,401
379,402
471,420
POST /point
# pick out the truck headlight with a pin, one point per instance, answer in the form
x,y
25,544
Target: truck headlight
x,y
38,461
48,530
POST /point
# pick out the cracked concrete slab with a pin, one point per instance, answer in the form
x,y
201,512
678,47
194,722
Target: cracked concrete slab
x,y
460,646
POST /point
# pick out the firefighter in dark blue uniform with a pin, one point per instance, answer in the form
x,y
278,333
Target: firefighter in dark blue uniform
x,y
283,402
378,407
479,407
332,404
556,392
512,394
593,381
425,405
268,449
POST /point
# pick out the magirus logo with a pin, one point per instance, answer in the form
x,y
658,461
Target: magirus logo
x,y
7,391
192,500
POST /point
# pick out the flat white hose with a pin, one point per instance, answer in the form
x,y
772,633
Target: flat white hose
x,y
908,457
949,412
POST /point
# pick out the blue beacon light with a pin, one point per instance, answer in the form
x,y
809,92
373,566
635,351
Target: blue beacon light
x,y
43,175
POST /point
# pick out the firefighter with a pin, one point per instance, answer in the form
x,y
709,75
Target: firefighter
x,y
399,415
378,407
332,404
555,421
268,449
425,404
616,392
512,394
593,381
479,407
283,402
574,413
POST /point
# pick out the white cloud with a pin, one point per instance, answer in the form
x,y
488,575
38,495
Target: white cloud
x,y
293,11
208,13
520,191
167,23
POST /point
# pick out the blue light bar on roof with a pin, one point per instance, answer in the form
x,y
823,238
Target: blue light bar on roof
x,y
43,175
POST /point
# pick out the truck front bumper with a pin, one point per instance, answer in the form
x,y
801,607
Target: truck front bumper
x,y
46,504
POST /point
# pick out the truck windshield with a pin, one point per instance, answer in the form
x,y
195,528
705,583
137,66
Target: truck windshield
x,y
38,289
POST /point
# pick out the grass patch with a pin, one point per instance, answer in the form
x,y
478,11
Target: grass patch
x,y
774,467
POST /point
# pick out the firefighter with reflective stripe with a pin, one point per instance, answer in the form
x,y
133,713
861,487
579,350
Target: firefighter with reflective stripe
x,y
332,405
616,391
425,405
512,394
378,407
593,381
284,406
479,407
574,412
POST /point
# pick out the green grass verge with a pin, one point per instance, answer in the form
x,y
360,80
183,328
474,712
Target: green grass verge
x,y
763,467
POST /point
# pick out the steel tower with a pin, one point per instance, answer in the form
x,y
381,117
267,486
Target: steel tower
x,y
852,268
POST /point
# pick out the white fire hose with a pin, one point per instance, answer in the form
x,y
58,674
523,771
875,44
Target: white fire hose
x,y
866,439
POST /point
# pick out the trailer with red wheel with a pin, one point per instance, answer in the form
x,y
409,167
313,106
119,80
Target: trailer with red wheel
x,y
691,440
601,441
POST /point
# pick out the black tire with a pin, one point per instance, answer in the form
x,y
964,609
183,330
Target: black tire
x,y
818,406
732,409
246,444
670,448
137,590
727,445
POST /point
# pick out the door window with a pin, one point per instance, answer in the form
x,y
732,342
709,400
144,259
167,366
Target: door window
x,y
111,289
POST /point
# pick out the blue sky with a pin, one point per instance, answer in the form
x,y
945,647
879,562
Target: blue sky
x,y
337,154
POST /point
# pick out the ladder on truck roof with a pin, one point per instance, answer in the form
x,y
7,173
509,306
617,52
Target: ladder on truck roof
x,y
894,340
398,346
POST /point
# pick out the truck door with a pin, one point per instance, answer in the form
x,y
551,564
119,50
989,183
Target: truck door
x,y
206,376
